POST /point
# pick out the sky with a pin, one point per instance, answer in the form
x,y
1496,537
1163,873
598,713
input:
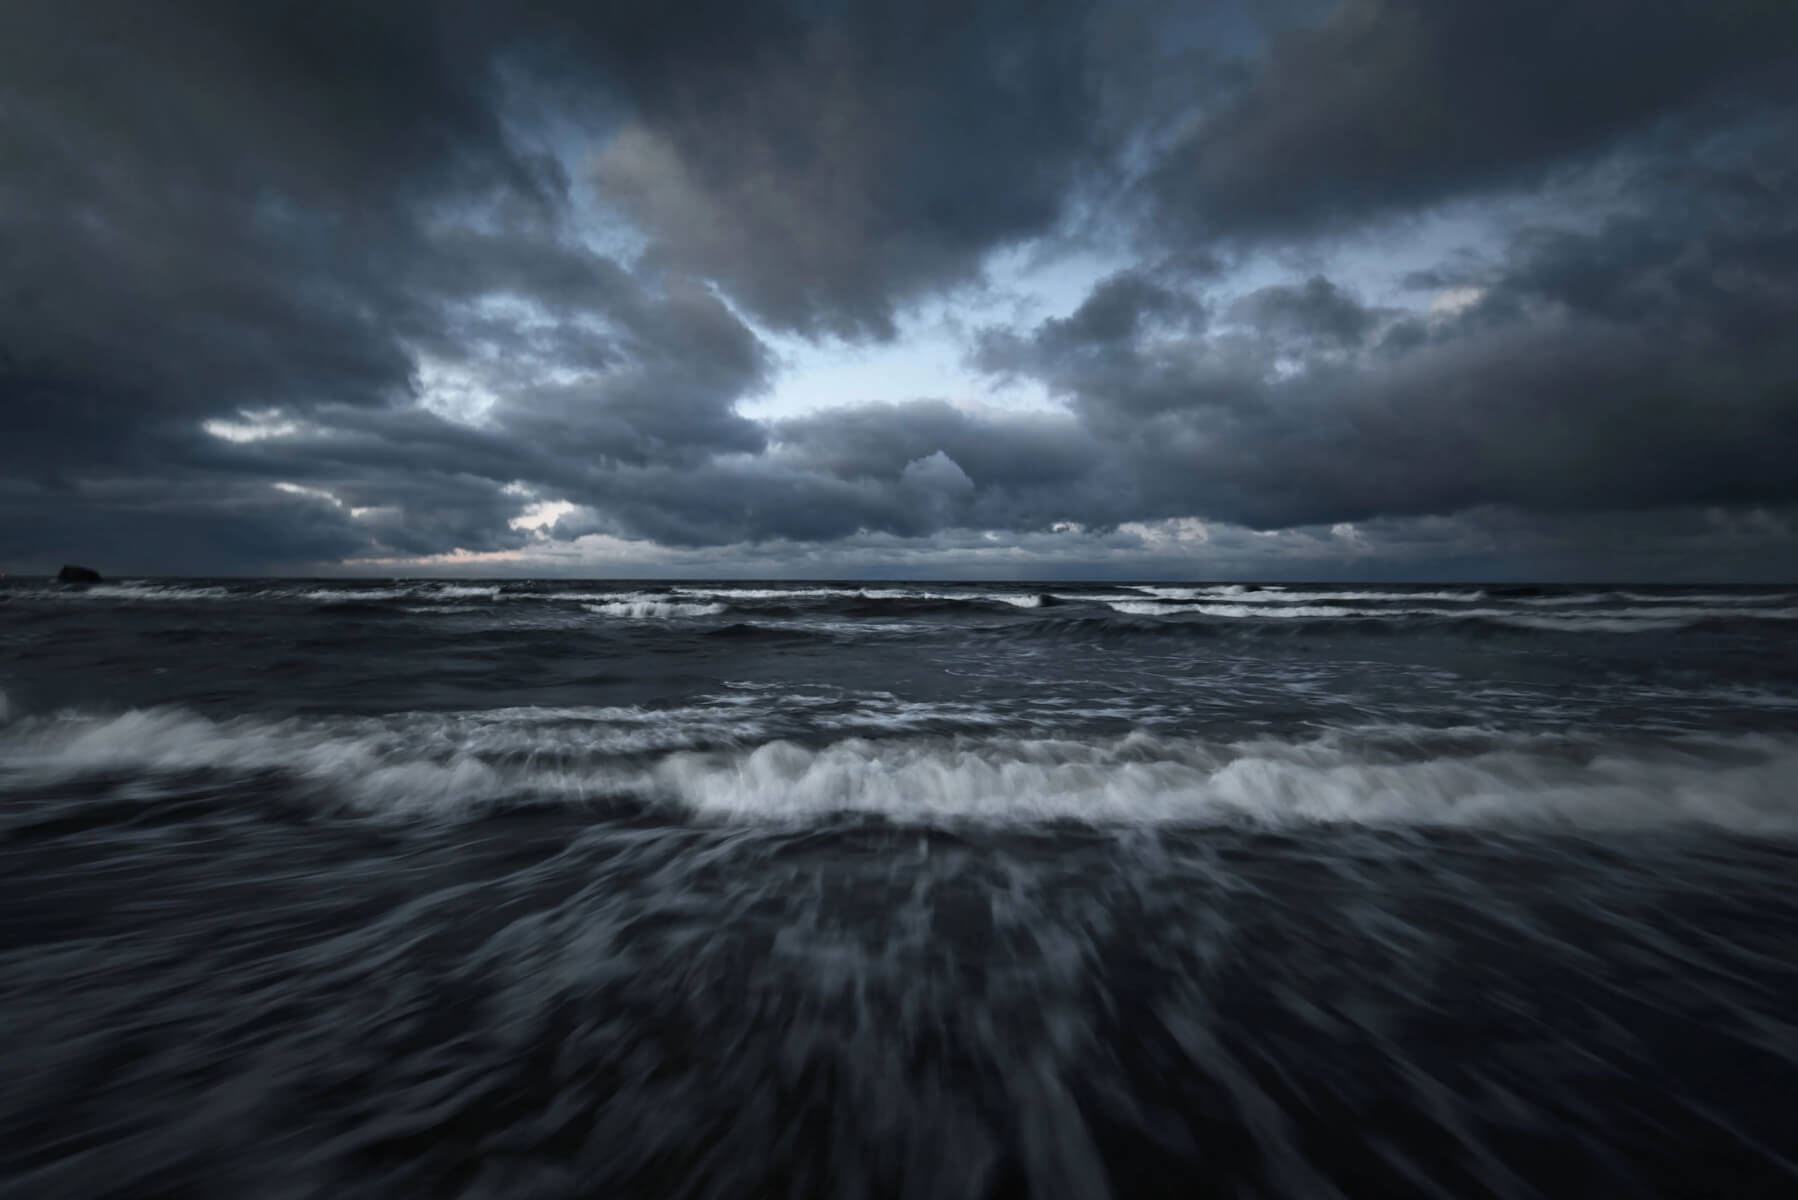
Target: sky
x,y
1296,289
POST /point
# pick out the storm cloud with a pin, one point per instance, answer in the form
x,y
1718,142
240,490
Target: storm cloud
x,y
1387,287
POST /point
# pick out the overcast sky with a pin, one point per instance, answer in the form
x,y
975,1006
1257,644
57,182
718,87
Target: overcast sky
x,y
1383,289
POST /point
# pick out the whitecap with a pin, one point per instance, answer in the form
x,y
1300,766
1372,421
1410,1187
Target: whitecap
x,y
654,610
1619,620
721,764
1275,595
353,595
163,592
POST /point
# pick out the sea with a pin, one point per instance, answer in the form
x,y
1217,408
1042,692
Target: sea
x,y
408,888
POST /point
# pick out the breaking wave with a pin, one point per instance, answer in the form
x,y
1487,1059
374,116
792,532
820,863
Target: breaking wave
x,y
1534,609
1243,594
1617,620
720,763
167,593
654,610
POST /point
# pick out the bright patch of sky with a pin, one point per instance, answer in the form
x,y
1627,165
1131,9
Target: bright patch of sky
x,y
542,514
928,359
451,391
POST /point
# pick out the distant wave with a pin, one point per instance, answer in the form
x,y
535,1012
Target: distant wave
x,y
144,592
1589,598
342,595
1616,620
654,610
1132,610
1240,594
720,763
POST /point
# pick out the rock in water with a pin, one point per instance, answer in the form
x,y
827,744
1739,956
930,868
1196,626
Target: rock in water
x,y
71,574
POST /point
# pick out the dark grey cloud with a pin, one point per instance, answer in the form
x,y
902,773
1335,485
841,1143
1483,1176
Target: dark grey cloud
x,y
1316,310
284,285
910,470
1641,364
298,211
1394,104
875,153
214,209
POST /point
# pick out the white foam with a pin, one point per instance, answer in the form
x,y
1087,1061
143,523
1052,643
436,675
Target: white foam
x,y
412,764
1148,608
146,592
1018,599
586,597
654,610
1335,778
1467,597
460,592
353,595
765,593
445,766
1156,608
1619,620
738,594
1241,594
1193,593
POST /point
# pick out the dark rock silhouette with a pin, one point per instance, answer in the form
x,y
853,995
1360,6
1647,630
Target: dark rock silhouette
x,y
71,574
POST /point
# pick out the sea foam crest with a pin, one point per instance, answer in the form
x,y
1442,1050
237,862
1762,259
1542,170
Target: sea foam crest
x,y
1016,599
654,610
1143,779
144,591
1640,619
353,595
1242,594
721,766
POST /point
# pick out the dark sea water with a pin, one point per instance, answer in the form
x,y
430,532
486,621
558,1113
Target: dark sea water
x,y
571,889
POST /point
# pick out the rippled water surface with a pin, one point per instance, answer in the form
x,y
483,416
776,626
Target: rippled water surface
x,y
577,889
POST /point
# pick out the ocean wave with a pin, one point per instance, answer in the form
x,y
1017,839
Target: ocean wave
x,y
749,596
654,610
1396,777
1288,612
1015,599
142,591
1169,592
1522,607
720,763
1671,597
1148,608
1619,620
343,595
740,594
1242,594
